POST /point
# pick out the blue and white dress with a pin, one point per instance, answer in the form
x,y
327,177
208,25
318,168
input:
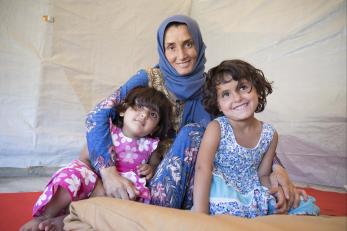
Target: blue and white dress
x,y
235,187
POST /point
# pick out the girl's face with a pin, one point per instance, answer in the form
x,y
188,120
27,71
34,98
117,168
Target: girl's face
x,y
179,48
139,121
238,100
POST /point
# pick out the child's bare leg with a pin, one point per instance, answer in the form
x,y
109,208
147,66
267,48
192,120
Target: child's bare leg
x,y
32,225
55,223
49,218
99,190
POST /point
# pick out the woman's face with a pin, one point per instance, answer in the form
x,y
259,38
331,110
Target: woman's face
x,y
179,48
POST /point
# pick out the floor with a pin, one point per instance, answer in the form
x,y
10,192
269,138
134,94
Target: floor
x,y
24,180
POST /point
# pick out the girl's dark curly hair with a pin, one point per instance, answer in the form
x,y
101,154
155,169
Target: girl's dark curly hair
x,y
238,70
152,99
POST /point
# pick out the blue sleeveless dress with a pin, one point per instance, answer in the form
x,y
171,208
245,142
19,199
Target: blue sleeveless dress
x,y
235,187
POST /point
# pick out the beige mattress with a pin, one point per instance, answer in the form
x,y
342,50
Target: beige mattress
x,y
112,214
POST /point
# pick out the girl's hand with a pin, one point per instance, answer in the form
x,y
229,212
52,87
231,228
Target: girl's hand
x,y
145,170
117,186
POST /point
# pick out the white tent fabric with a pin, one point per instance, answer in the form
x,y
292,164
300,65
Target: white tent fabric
x,y
53,73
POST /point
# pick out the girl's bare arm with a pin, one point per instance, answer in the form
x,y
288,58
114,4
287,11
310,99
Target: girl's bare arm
x,y
204,167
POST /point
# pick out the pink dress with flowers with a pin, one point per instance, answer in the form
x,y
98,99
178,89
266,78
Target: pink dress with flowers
x,y
79,180
130,153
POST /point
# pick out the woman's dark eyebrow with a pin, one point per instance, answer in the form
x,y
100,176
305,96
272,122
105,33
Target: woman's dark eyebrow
x,y
188,40
169,43
185,41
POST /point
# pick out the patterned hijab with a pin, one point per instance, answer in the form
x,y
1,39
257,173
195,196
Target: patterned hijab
x,y
190,86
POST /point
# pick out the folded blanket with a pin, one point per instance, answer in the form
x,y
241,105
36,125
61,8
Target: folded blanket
x,y
105,214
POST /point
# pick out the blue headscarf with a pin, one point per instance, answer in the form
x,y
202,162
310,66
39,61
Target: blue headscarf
x,y
188,86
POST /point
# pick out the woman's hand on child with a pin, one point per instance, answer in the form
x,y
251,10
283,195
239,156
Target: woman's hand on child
x,y
282,205
299,194
145,170
281,202
279,179
117,186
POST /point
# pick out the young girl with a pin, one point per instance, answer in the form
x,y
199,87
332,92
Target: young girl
x,y
142,120
236,152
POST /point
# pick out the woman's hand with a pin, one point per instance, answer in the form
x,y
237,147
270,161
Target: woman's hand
x,y
299,194
279,178
145,170
281,202
117,186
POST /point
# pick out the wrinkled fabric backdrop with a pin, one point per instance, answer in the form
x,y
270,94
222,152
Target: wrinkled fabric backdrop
x,y
53,72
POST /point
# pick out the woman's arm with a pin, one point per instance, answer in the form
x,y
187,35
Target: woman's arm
x,y
288,195
204,167
98,135
99,139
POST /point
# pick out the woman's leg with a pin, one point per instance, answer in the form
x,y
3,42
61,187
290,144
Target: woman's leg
x,y
172,184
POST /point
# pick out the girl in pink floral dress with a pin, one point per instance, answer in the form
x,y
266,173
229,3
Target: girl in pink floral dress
x,y
143,119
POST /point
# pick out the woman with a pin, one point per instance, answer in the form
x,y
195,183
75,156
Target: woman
x,y
180,76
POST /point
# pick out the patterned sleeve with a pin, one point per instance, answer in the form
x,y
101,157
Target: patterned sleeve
x,y
99,140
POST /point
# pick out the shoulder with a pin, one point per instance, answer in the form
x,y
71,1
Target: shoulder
x,y
140,79
223,122
269,127
220,119
269,130
115,132
153,143
211,138
152,139
155,78
213,128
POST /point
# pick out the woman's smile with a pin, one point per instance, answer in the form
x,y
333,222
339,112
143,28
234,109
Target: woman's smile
x,y
180,50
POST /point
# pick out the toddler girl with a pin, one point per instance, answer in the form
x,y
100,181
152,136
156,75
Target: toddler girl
x,y
142,119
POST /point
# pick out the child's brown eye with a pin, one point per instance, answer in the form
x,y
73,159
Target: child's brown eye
x,y
138,107
154,115
245,88
225,94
